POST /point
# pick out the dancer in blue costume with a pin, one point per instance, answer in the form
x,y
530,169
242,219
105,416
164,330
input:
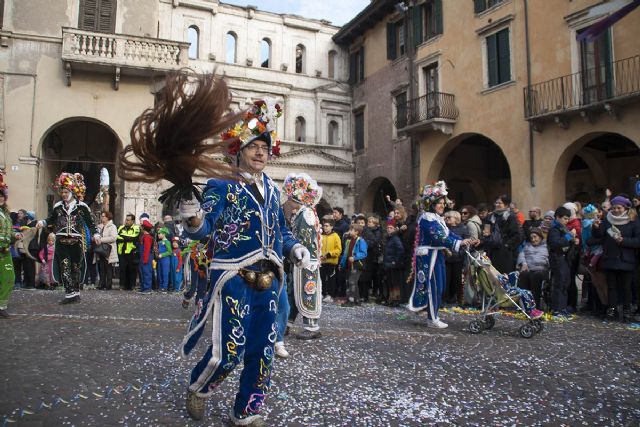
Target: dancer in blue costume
x,y
249,238
432,237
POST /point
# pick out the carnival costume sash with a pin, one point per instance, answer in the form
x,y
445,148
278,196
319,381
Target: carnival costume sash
x,y
307,286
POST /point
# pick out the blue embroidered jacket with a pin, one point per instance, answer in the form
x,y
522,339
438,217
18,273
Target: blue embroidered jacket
x,y
243,231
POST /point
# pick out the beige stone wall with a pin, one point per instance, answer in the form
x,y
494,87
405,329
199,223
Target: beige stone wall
x,y
499,113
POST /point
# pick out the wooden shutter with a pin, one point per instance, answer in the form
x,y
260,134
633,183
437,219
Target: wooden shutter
x,y
97,15
504,61
437,11
492,59
106,16
418,16
479,5
359,119
391,41
361,64
1,13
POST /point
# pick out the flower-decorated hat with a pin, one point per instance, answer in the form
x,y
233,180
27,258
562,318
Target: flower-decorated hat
x,y
303,189
258,121
81,189
70,181
433,192
4,188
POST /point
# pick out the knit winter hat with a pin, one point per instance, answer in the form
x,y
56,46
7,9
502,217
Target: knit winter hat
x,y
550,214
589,211
538,231
572,208
621,201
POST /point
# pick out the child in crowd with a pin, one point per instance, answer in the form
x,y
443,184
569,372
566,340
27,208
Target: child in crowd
x,y
46,257
533,263
146,257
198,261
164,259
176,264
559,241
331,250
352,262
393,265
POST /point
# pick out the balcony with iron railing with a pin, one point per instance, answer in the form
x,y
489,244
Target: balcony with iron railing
x,y
433,111
585,93
116,53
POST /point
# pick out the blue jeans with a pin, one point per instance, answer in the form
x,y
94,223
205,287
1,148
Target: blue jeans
x,y
283,312
163,266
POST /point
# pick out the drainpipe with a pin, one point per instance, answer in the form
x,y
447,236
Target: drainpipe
x,y
528,50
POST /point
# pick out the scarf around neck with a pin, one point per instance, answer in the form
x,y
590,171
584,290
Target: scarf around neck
x,y
618,220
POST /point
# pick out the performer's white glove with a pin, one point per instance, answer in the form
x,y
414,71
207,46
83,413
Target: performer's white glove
x,y
300,256
97,239
189,209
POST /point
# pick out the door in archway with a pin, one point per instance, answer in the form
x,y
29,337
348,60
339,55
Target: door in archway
x,y
476,171
375,197
85,147
607,161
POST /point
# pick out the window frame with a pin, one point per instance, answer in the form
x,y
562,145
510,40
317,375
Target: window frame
x,y
98,23
493,42
197,44
234,36
267,40
300,129
359,144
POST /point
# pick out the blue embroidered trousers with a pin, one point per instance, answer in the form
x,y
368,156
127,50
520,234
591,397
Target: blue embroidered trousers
x,y
244,326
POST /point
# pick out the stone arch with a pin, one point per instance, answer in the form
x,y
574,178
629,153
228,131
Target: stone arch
x,y
474,167
374,198
80,144
606,158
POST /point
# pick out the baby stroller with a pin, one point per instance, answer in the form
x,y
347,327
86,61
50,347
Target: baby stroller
x,y
492,287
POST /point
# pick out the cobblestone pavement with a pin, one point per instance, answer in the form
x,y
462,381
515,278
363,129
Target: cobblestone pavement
x,y
112,360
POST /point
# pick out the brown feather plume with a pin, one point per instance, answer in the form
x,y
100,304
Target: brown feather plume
x,y
180,135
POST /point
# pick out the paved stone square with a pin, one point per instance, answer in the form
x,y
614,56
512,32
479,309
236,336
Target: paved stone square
x,y
112,360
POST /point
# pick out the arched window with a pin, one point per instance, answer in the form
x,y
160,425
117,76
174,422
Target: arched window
x,y
230,55
333,62
334,135
193,37
300,129
300,58
265,53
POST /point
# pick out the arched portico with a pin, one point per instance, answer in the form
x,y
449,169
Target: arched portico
x,y
594,162
374,200
84,145
474,167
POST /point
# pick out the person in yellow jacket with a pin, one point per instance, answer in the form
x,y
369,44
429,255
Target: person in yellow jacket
x,y
128,239
331,250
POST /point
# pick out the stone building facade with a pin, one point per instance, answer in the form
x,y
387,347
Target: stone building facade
x,y
502,98
75,74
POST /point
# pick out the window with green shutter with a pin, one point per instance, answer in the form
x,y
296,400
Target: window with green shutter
x,y
98,15
498,58
356,65
359,123
482,5
431,19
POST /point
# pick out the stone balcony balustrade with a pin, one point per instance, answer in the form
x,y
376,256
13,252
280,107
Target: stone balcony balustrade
x,y
120,54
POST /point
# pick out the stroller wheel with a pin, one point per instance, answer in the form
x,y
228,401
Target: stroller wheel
x,y
537,323
475,326
527,330
489,322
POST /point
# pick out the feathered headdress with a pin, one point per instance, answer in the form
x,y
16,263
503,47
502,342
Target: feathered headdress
x,y
303,189
174,139
258,121
433,192
4,188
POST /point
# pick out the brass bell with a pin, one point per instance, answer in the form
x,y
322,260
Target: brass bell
x,y
250,277
264,280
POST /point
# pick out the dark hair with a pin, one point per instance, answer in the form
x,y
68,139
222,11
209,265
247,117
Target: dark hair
x,y
505,199
131,216
472,211
361,217
482,207
108,214
562,211
173,139
327,219
339,209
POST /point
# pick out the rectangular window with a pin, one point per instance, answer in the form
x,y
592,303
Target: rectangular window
x,y
430,20
359,122
596,68
97,15
498,58
482,5
401,110
396,40
356,66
